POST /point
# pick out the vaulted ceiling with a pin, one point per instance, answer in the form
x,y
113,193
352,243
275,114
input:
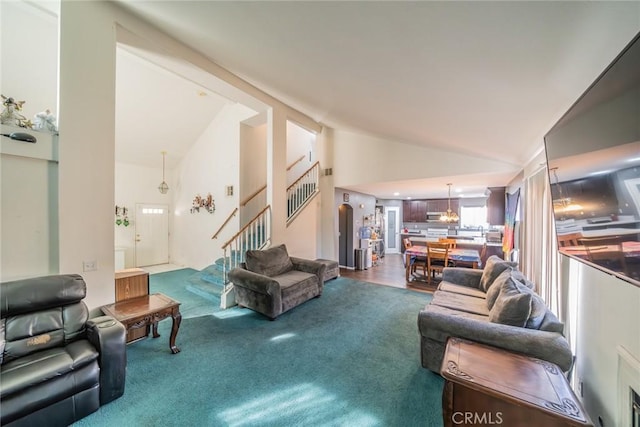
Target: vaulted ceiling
x,y
485,79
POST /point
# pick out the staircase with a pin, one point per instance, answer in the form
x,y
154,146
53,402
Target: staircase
x,y
208,282
212,282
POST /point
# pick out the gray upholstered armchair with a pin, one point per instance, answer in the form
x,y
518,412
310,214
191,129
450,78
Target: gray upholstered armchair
x,y
271,282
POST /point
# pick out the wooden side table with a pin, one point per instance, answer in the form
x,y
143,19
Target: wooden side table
x,y
131,283
486,386
145,311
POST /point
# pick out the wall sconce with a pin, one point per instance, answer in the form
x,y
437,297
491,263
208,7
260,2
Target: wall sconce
x,y
122,216
206,203
361,205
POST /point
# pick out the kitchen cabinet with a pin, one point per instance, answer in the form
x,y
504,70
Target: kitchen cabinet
x,y
414,211
496,206
441,205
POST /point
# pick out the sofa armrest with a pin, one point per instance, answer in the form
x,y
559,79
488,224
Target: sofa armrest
x,y
254,282
469,277
311,267
549,346
109,337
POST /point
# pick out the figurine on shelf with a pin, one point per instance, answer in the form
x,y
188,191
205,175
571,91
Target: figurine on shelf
x,y
10,114
45,121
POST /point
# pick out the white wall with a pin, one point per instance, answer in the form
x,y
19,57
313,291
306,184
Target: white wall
x,y
300,142
28,72
138,184
359,155
212,164
29,65
608,316
253,169
303,233
29,200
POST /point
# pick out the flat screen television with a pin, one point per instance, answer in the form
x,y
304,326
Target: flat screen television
x,y
593,159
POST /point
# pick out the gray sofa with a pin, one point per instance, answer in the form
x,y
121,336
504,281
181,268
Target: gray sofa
x,y
271,282
495,306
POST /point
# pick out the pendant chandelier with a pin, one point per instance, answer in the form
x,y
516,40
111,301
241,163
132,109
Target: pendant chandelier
x,y
163,187
449,216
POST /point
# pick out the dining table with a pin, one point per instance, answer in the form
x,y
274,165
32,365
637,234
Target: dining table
x,y
471,256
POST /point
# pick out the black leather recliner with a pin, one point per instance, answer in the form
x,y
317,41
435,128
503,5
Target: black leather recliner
x,y
57,365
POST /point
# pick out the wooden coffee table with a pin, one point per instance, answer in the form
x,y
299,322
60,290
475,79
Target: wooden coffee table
x,y
147,310
487,386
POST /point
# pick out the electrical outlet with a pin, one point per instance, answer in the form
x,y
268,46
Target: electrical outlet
x,y
89,265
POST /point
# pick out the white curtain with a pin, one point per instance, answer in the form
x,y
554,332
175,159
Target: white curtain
x,y
539,258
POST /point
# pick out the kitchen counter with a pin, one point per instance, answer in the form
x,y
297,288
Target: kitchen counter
x,y
476,241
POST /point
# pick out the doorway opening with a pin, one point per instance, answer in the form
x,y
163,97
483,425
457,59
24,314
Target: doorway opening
x,y
152,235
345,235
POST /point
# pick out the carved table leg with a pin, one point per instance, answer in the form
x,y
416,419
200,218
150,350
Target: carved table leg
x,y
177,318
155,330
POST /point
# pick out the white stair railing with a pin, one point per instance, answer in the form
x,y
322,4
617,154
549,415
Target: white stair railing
x,y
302,190
255,235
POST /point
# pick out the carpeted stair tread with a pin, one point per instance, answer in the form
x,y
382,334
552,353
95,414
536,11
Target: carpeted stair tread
x,y
207,283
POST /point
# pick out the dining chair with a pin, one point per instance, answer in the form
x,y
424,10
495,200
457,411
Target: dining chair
x,y
437,259
453,243
406,243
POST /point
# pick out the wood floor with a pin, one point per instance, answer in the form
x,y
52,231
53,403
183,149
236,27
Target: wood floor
x,y
390,272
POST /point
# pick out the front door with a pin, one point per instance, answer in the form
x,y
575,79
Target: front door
x,y
392,233
152,234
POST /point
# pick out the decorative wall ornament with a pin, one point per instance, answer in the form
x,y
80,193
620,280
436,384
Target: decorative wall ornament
x,y
206,203
10,114
45,121
122,216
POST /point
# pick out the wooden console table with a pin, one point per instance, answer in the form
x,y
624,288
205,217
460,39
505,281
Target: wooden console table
x,y
486,386
145,311
131,283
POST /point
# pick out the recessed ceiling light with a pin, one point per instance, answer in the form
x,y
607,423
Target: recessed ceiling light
x,y
408,197
396,194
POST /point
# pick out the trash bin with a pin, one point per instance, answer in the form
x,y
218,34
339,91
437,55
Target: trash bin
x,y
361,259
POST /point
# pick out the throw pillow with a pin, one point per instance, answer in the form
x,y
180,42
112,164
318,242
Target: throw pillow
x,y
550,323
538,311
270,262
513,305
492,270
522,279
494,290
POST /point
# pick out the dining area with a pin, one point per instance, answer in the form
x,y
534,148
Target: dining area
x,y
426,262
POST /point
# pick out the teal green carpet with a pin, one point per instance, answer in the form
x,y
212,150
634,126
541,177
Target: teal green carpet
x,y
348,358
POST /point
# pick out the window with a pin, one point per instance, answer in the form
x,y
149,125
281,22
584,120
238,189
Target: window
x,y
152,211
473,216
